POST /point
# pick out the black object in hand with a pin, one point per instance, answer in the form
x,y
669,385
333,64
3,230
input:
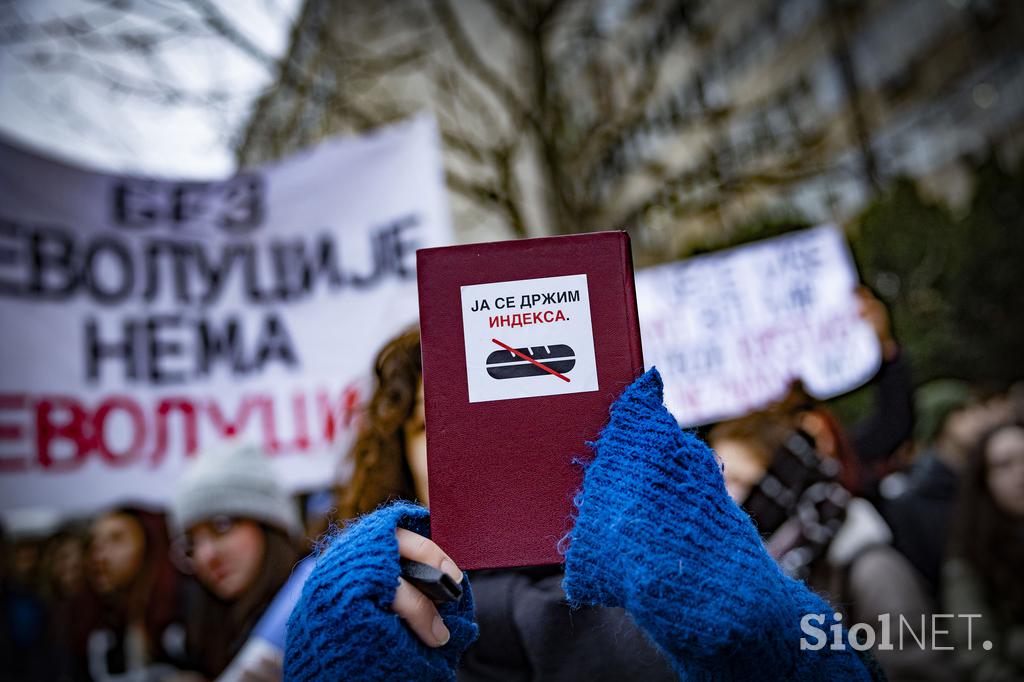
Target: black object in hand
x,y
437,585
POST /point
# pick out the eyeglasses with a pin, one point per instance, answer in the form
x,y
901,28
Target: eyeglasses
x,y
183,548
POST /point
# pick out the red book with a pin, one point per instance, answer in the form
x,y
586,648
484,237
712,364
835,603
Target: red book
x,y
526,344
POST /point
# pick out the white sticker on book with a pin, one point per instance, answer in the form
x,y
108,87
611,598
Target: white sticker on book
x,y
528,338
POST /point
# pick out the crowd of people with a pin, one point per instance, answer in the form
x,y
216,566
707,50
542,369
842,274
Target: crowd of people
x,y
914,511
186,593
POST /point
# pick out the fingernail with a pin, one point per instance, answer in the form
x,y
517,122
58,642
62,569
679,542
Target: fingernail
x,y
448,566
439,631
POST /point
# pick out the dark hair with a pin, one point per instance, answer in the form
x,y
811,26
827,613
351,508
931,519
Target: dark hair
x,y
798,401
381,471
152,597
216,629
69,533
985,536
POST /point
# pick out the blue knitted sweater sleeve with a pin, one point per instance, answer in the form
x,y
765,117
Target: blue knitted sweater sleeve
x,y
343,628
657,534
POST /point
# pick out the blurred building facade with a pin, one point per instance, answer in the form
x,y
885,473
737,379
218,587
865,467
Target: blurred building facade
x,y
353,66
813,105
675,120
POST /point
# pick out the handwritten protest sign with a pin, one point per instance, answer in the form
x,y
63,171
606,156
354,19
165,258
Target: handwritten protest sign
x,y
147,320
731,330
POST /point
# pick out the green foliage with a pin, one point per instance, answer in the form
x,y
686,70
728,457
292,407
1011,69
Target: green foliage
x,y
852,407
986,291
953,286
906,250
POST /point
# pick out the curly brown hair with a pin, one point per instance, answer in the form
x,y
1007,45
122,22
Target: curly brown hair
x,y
381,471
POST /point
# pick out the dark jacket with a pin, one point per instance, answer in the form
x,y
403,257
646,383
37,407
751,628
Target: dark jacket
x,y
527,632
920,517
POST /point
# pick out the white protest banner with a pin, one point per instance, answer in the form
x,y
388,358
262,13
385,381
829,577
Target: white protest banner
x,y
147,320
731,330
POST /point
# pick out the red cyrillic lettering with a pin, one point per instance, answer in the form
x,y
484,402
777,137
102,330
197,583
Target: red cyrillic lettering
x,y
225,428
344,412
162,412
13,432
229,429
99,421
300,418
265,405
74,430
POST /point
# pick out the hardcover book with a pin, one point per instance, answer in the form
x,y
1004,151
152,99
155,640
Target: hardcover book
x,y
525,346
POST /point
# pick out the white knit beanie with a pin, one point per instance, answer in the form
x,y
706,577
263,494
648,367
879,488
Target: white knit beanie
x,y
238,483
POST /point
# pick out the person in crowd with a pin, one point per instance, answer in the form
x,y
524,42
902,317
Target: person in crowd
x,y
619,592
24,615
790,482
63,573
950,421
526,627
391,443
128,621
64,562
525,624
241,536
983,572
1015,401
878,437
868,449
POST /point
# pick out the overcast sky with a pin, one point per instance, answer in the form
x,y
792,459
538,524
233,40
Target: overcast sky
x,y
56,96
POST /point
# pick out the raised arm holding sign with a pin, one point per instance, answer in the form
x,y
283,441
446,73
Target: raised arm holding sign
x,y
731,330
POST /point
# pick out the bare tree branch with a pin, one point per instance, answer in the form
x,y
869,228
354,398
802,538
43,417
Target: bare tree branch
x,y
488,195
223,27
120,81
558,131
509,13
475,64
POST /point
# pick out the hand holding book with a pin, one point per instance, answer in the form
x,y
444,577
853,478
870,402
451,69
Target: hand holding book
x,y
525,345
411,602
